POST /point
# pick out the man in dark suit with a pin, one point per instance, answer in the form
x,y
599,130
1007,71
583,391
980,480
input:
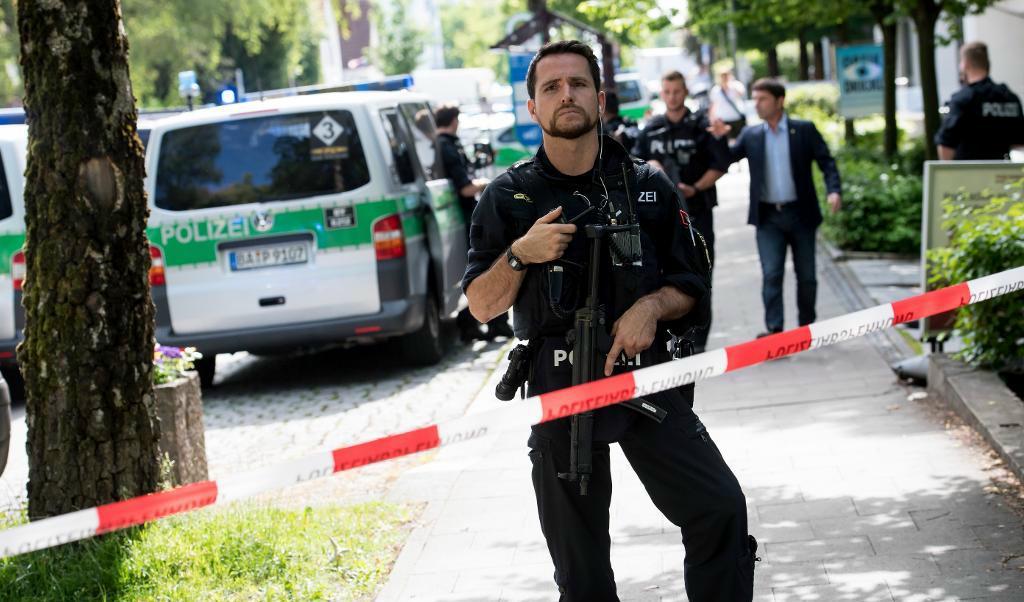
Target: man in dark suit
x,y
783,203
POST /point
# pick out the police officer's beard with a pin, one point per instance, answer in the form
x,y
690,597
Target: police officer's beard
x,y
569,132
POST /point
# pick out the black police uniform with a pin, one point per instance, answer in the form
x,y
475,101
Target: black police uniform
x,y
688,150
677,461
984,121
459,169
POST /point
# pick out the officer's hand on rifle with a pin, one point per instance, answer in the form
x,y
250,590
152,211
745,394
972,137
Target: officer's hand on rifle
x,y
633,332
545,241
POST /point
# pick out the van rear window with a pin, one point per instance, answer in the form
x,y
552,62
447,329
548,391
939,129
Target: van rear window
x,y
5,193
261,159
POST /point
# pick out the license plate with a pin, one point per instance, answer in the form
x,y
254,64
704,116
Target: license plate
x,y
265,257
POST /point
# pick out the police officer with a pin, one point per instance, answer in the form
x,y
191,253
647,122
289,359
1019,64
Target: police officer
x,y
459,170
527,227
679,144
625,131
985,118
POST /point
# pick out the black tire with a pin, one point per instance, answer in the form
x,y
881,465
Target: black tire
x,y
206,366
425,347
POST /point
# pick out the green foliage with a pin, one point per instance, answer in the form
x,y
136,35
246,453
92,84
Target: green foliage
x,y
268,39
815,102
469,29
400,43
245,553
789,62
881,205
10,87
986,235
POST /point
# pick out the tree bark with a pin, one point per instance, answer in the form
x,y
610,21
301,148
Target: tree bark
x,y
772,61
804,63
819,59
889,92
926,14
88,349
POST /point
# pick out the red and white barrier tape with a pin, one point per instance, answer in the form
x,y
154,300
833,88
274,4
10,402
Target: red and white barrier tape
x,y
84,524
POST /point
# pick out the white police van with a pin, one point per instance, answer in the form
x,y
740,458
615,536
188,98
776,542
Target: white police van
x,y
13,140
303,221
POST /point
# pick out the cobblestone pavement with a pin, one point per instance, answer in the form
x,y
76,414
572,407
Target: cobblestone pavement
x,y
269,409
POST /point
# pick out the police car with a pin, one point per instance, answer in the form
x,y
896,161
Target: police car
x,y
303,221
13,139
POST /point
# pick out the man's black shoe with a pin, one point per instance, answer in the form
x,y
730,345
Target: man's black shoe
x,y
468,334
499,329
769,333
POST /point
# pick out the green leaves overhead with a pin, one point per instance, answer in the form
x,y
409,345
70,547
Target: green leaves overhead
x,y
168,36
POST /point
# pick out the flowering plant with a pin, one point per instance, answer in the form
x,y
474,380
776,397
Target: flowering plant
x,y
170,363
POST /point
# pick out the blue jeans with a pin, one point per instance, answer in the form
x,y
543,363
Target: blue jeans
x,y
778,229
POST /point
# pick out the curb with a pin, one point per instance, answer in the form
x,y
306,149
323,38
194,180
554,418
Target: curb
x,y
854,296
984,402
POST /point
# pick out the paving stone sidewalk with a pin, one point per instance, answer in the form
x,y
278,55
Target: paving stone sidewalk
x,y
855,486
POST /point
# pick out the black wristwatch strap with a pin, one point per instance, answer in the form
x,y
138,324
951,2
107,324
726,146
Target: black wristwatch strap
x,y
514,262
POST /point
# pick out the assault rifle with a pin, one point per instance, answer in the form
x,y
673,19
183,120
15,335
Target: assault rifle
x,y
590,340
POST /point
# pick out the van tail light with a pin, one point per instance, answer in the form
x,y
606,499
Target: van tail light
x,y
156,267
18,269
388,238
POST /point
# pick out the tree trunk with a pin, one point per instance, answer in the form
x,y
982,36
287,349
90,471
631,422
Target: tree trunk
x,y
804,63
882,11
925,16
819,59
88,349
889,92
772,61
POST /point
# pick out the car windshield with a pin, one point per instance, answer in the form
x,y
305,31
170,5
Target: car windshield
x,y
282,157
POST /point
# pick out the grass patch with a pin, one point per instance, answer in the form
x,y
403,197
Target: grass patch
x,y
245,552
911,340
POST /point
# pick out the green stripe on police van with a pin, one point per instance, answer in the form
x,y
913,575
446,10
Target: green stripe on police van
x,y
9,245
189,242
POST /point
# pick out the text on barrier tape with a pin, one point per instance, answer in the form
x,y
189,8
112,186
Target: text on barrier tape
x,y
88,523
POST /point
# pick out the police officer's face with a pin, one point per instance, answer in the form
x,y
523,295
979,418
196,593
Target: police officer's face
x,y
673,93
565,102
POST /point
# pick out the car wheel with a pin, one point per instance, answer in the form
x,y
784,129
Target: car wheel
x,y
206,366
425,347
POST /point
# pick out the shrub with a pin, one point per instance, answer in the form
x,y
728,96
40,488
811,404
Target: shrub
x,y
985,239
813,101
881,206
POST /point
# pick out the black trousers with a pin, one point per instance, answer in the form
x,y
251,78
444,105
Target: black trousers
x,y
704,219
684,474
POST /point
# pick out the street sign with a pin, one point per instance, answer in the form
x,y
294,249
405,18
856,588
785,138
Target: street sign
x,y
528,132
861,82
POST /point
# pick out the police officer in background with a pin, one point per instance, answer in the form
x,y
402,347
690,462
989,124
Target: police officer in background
x,y
460,171
679,144
624,130
529,226
985,118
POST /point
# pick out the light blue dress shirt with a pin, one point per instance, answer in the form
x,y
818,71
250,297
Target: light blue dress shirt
x,y
778,175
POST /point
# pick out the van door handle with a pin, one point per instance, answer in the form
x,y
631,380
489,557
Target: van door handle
x,y
269,301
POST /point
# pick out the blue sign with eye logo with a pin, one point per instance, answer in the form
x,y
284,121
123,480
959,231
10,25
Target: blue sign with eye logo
x,y
861,81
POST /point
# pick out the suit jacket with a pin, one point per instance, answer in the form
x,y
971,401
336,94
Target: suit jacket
x,y
805,145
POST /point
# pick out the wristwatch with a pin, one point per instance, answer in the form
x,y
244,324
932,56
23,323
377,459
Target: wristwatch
x,y
514,262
